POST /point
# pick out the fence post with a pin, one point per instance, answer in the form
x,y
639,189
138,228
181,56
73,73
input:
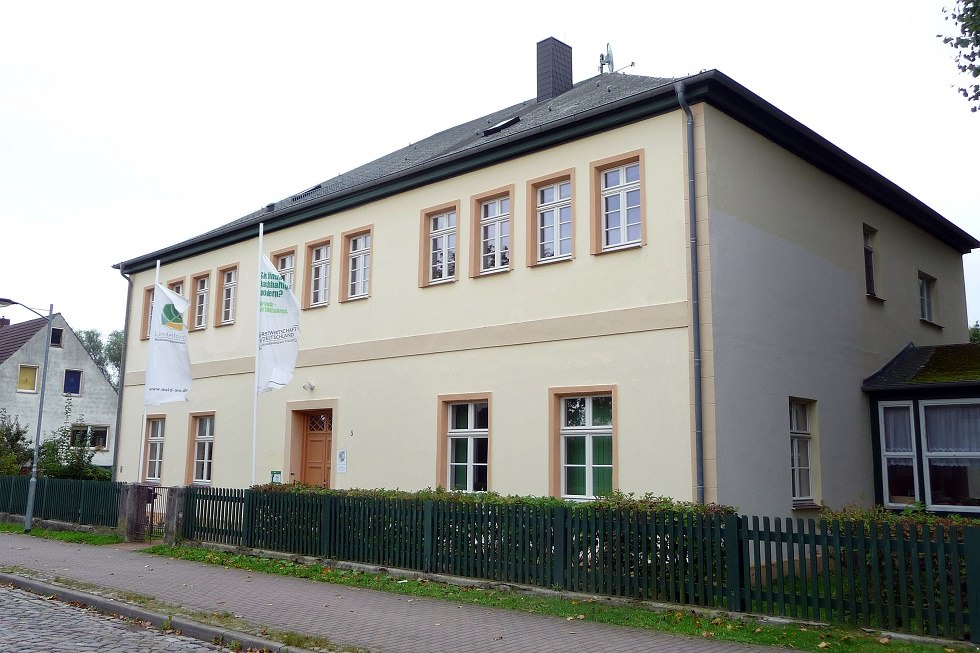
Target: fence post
x,y
559,526
248,519
971,546
428,533
173,526
733,549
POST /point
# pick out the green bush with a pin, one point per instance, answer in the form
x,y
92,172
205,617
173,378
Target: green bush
x,y
15,451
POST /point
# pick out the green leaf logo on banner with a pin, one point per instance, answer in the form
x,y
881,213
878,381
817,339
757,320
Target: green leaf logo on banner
x,y
171,317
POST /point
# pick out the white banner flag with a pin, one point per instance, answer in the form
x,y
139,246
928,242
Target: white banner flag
x,y
168,365
278,330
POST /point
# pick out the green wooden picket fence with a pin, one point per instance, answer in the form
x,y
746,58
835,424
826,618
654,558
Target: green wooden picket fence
x,y
917,580
93,503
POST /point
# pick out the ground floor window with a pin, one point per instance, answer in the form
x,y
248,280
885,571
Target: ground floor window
x,y
801,449
154,448
469,441
587,446
91,437
203,448
951,450
897,454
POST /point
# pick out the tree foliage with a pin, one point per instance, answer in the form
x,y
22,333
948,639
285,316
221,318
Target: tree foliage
x,y
15,448
965,15
106,353
975,332
59,457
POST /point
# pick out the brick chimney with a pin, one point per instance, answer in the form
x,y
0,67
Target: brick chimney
x,y
4,322
554,68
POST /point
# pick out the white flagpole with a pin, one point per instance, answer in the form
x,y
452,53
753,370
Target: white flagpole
x,y
139,476
255,393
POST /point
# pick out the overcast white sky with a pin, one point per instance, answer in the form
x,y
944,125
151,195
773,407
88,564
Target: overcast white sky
x,y
129,126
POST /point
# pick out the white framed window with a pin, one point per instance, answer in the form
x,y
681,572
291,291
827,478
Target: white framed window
x,y
286,265
622,214
229,295
587,446
73,382
155,429
927,295
442,247
148,295
801,438
359,266
554,221
469,440
27,378
951,453
495,235
320,274
203,448
177,288
201,296
900,484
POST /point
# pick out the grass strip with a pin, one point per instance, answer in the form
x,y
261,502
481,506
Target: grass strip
x,y
74,537
678,622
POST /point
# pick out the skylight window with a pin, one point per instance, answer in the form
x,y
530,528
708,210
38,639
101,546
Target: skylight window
x,y
503,124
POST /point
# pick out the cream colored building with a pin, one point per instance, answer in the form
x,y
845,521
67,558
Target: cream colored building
x,y
507,305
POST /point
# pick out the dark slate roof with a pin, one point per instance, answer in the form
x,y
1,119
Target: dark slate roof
x,y
14,336
917,367
603,102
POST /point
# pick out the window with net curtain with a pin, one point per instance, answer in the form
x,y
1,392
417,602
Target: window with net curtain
x,y
952,453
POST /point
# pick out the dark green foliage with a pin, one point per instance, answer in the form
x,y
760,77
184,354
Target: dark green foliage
x,y
975,332
59,457
107,353
15,451
965,15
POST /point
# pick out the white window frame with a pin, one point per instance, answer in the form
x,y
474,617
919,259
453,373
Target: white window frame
x,y
470,434
177,288
286,265
156,430
201,292
65,381
799,435
320,275
495,249
203,449
359,266
621,191
560,208
885,454
589,431
37,377
927,299
229,295
927,496
442,246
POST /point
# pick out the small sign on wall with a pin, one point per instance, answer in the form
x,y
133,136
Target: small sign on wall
x,y
276,475
342,461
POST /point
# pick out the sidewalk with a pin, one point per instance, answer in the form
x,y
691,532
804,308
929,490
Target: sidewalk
x,y
348,617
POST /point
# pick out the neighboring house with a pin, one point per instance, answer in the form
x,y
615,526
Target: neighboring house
x,y
72,377
926,413
508,305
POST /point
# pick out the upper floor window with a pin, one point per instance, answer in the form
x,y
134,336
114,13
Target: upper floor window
x,y
27,378
148,294
441,229
57,337
357,266
869,260
554,221
618,212
177,287
495,235
286,265
229,295
318,255
201,297
927,297
73,382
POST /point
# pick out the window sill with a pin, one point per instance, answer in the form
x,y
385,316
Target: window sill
x,y
490,273
224,324
620,248
875,298
806,505
930,323
354,299
551,261
313,306
439,282
26,392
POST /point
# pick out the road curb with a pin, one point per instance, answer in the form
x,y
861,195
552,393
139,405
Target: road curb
x,y
186,626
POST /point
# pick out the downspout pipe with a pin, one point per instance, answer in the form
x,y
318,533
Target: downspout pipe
x,y
695,294
122,379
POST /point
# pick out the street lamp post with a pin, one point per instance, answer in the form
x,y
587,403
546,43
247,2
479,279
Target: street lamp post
x,y
32,486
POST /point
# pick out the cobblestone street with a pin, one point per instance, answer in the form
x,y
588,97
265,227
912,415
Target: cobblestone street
x,y
30,623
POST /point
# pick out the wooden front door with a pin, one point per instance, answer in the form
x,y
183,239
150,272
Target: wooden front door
x,y
316,448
